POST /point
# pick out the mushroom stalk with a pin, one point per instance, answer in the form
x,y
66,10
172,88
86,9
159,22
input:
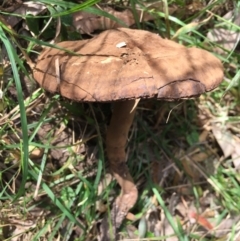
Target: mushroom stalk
x,y
116,140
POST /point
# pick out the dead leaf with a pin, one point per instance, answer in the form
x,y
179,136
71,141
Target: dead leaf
x,y
225,226
87,22
229,143
236,157
131,231
15,228
35,152
169,232
226,36
200,219
166,228
203,136
197,155
100,206
224,139
29,7
130,216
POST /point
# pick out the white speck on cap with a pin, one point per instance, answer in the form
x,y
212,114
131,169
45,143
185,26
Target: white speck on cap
x,y
121,45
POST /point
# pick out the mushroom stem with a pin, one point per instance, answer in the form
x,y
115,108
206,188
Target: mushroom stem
x,y
116,140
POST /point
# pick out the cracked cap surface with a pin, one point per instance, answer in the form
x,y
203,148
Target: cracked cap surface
x,y
125,64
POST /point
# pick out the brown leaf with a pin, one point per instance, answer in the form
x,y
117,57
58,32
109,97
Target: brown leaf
x,y
87,22
236,157
229,143
131,231
201,220
35,152
15,228
225,227
228,37
131,216
100,206
166,227
197,155
224,139
25,8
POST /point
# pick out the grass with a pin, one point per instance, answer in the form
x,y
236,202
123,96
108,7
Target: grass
x,y
52,156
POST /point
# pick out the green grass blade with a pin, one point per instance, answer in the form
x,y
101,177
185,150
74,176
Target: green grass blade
x,y
180,235
24,147
57,202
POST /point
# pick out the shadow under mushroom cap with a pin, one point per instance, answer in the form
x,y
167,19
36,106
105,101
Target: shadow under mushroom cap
x,y
126,64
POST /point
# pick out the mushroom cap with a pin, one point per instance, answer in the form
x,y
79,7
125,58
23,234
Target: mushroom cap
x,y
122,64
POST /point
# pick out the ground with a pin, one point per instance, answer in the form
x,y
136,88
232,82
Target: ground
x,y
184,156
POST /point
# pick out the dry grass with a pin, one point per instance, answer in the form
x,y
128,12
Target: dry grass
x,y
184,156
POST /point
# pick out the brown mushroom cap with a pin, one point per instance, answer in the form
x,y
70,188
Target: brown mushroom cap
x,y
125,64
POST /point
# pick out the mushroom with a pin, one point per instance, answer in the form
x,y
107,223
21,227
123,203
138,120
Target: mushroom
x,y
121,66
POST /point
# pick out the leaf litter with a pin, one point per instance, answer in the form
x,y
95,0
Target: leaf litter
x,y
184,173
